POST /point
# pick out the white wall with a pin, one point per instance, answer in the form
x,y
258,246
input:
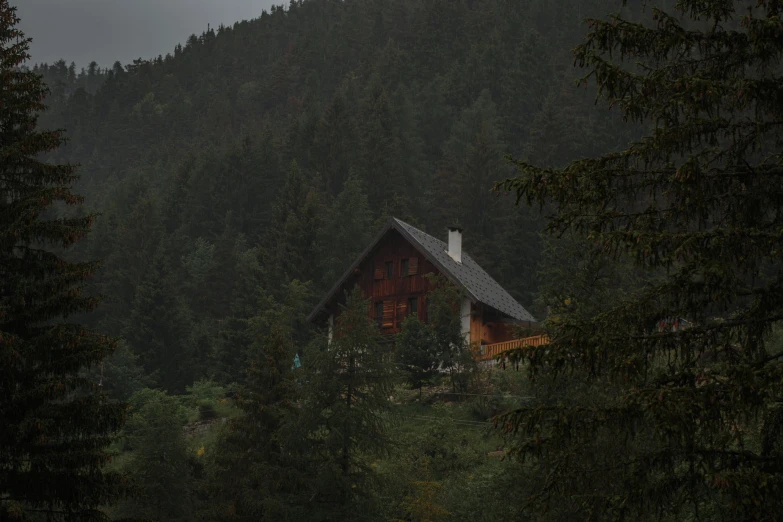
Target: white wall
x,y
465,316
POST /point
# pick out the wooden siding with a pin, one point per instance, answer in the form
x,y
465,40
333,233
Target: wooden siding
x,y
394,293
487,326
491,351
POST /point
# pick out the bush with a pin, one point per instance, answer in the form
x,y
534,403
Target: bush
x,y
484,408
416,351
140,402
206,410
205,390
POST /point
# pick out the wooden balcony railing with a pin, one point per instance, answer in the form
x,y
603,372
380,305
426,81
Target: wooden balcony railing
x,y
488,352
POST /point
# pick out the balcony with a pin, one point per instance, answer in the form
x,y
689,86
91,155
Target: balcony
x,y
489,352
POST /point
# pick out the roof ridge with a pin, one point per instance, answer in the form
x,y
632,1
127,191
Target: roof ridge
x,y
445,243
474,280
468,274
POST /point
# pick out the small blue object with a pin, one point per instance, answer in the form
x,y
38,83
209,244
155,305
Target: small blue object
x,y
296,364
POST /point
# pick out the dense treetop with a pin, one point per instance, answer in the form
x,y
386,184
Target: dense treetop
x,y
239,161
55,424
691,377
236,177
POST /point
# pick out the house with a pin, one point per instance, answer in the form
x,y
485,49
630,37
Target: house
x,y
391,271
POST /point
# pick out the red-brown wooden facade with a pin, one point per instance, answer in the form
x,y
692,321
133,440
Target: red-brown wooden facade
x,y
382,276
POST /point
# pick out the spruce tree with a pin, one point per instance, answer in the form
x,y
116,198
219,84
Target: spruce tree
x,y
692,402
160,324
443,317
380,148
473,161
298,217
415,351
158,466
343,416
55,425
254,475
346,230
334,141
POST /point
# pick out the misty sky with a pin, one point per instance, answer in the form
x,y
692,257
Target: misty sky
x,y
110,30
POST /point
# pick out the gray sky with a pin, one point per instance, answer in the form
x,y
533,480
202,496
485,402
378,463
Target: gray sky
x,y
110,30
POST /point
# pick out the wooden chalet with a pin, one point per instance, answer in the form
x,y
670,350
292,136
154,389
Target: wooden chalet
x,y
391,270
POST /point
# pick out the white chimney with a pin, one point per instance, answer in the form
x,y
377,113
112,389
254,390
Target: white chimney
x,y
455,244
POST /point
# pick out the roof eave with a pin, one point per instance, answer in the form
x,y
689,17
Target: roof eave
x,y
393,223
330,294
434,260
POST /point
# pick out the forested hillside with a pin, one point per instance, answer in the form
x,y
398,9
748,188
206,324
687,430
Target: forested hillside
x,y
639,215
268,152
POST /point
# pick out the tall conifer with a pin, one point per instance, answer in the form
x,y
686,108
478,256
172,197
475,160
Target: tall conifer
x,y
694,408
254,475
343,417
55,426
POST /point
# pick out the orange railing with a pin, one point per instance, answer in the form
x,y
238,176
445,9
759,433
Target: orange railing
x,y
488,352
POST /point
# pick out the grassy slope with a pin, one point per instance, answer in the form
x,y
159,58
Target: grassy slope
x,y
445,461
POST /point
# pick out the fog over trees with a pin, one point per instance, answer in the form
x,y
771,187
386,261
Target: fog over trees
x,y
106,31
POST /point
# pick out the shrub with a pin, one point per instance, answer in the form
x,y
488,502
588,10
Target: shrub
x,y
206,410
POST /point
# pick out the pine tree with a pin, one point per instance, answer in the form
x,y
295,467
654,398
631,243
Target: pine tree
x,y
255,476
474,161
298,215
120,375
380,156
443,317
159,464
415,350
342,417
692,405
516,258
335,140
160,325
553,134
346,231
56,426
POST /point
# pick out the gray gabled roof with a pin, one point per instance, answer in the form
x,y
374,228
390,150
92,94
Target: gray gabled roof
x,y
468,275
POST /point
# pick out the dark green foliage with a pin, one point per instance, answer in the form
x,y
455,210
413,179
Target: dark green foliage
x,y
576,281
161,331
254,475
238,176
520,247
342,422
120,374
473,160
416,351
347,230
55,425
159,463
444,309
677,423
189,158
298,216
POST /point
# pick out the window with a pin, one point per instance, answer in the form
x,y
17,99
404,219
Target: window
x,y
404,268
402,311
413,306
388,314
379,313
389,269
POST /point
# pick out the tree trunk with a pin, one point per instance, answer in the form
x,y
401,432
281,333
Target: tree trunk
x,y
346,434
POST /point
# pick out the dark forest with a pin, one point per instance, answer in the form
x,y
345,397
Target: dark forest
x,y
172,231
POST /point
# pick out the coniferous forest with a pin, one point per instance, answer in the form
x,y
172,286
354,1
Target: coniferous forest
x,y
166,227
